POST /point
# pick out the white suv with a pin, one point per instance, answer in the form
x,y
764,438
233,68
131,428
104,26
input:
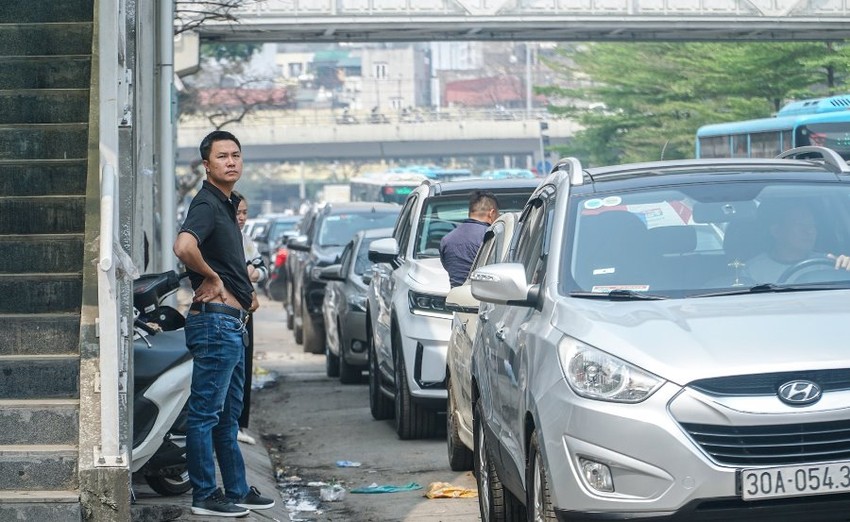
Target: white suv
x,y
406,313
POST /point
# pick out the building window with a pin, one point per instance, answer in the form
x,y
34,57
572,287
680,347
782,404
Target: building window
x,y
380,70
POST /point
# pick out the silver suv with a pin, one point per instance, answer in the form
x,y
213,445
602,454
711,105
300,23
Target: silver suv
x,y
670,340
406,304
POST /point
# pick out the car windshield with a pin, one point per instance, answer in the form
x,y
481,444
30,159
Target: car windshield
x,y
279,227
443,213
337,230
708,239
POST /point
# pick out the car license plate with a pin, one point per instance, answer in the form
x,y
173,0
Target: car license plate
x,y
795,481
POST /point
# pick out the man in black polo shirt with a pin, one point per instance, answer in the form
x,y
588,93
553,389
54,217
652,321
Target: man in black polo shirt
x,y
210,245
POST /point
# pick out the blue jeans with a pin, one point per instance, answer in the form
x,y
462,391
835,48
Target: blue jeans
x,y
215,403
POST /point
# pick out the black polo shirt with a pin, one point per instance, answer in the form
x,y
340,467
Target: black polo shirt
x,y
212,220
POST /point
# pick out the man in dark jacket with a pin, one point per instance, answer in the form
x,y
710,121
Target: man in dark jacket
x,y
459,247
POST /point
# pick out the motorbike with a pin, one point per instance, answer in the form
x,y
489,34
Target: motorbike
x,y
162,381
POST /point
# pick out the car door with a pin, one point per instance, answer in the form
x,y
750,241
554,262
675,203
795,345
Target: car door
x,y
334,302
464,328
510,326
382,287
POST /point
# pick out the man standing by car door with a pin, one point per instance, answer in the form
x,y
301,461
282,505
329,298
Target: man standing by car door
x,y
459,247
210,245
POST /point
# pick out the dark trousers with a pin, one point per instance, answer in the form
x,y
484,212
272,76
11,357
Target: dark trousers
x,y
249,373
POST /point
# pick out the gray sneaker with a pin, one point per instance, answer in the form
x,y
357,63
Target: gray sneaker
x,y
217,505
253,500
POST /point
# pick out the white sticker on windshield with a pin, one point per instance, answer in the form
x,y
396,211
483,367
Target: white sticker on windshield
x,y
592,204
610,288
612,201
603,271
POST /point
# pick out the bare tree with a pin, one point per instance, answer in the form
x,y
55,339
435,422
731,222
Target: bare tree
x,y
191,14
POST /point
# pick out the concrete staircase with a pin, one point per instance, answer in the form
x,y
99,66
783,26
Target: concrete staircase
x,y
45,78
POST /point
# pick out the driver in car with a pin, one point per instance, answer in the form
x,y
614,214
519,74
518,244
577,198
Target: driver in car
x,y
792,233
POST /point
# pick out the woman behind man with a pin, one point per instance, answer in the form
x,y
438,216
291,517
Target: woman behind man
x,y
257,273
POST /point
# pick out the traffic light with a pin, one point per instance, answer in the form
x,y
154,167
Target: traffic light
x,y
544,138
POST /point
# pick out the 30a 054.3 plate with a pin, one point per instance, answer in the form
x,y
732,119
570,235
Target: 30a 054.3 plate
x,y
795,481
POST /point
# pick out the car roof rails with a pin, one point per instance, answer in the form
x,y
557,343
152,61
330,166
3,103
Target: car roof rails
x,y
572,166
830,157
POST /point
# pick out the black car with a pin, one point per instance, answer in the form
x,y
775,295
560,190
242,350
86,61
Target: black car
x,y
324,238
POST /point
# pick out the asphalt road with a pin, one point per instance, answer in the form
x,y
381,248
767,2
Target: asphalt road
x,y
309,422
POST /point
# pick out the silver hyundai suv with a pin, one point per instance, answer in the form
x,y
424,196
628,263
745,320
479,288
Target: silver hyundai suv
x,y
669,340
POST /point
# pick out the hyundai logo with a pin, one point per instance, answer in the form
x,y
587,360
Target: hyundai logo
x,y
799,393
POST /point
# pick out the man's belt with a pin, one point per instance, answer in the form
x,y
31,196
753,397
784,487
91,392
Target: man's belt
x,y
219,308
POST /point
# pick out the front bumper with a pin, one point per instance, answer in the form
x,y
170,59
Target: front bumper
x,y
354,333
659,471
425,341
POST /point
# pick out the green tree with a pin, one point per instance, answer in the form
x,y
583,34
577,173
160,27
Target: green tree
x,y
644,101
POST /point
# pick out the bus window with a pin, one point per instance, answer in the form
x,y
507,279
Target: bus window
x,y
835,135
787,143
764,145
714,147
739,146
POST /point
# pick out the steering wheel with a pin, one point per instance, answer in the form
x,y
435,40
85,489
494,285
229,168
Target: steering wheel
x,y
804,264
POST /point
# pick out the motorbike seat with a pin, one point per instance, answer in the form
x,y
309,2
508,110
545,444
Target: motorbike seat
x,y
168,349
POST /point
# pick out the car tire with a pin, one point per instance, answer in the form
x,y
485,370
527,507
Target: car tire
x,y
460,457
348,374
494,501
313,341
538,497
379,404
331,362
412,420
298,331
290,314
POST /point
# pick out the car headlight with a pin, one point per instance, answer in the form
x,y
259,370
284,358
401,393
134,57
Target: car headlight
x,y
427,303
357,302
597,375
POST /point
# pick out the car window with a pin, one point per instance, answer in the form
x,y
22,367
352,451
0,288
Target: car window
x,y
345,258
361,262
682,240
338,229
441,214
529,247
403,225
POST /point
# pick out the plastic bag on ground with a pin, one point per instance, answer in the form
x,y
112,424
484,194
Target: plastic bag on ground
x,y
374,488
446,490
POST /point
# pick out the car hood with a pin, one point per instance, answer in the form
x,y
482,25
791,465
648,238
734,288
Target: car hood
x,y
682,340
428,276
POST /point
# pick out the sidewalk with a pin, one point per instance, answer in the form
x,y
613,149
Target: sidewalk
x,y
151,507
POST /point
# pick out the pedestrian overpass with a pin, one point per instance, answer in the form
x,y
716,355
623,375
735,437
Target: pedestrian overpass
x,y
534,20
283,136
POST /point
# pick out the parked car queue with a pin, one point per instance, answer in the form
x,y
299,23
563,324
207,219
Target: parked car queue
x,y
661,341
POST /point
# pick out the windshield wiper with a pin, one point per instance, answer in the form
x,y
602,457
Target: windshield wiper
x,y
619,295
766,288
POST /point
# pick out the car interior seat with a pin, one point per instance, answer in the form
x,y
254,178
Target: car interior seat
x,y
612,249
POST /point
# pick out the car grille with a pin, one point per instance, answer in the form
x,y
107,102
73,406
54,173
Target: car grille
x,y
768,383
773,445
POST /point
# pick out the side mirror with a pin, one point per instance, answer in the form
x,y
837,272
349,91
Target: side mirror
x,y
332,273
300,243
503,283
383,250
460,299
